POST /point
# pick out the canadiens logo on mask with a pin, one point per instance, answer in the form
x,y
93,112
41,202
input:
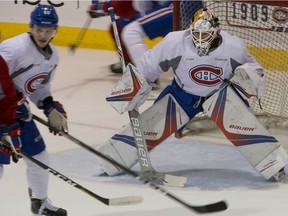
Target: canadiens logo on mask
x,y
33,82
206,75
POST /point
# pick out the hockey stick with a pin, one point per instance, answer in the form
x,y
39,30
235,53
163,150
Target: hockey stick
x,y
81,34
143,155
214,207
137,128
128,200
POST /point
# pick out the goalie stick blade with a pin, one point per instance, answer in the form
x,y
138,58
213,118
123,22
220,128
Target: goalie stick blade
x,y
214,207
174,181
164,179
129,200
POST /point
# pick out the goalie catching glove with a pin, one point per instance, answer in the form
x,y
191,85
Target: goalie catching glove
x,y
130,92
249,79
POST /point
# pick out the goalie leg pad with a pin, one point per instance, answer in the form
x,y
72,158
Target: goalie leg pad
x,y
244,130
159,121
120,148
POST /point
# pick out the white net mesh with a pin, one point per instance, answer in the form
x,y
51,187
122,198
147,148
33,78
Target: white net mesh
x,y
264,28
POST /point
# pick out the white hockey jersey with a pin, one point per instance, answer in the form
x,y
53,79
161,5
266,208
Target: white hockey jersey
x,y
197,75
30,68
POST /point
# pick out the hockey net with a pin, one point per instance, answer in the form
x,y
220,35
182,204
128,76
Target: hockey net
x,y
263,25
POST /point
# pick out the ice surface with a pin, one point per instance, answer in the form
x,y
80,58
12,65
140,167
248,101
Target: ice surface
x,y
214,168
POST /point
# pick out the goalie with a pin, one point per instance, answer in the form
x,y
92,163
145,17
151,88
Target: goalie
x,y
214,71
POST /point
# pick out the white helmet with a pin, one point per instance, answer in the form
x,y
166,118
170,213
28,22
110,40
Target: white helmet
x,y
204,29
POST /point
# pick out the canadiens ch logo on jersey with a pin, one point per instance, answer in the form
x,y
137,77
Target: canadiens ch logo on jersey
x,y
206,75
33,82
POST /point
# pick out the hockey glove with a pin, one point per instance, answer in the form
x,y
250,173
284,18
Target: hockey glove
x,y
14,133
249,79
56,115
23,110
98,10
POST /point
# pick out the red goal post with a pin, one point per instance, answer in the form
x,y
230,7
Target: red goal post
x,y
263,25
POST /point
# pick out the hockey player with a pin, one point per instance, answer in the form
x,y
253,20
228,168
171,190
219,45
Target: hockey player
x,y
156,21
212,70
27,67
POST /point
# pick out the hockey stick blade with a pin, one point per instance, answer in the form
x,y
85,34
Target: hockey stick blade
x,y
214,207
164,179
174,181
128,200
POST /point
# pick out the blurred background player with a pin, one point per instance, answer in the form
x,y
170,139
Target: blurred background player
x,y
156,21
125,14
27,63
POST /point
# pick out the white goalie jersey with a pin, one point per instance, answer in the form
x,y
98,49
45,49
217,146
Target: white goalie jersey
x,y
197,75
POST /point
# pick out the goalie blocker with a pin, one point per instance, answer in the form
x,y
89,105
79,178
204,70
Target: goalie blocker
x,y
130,91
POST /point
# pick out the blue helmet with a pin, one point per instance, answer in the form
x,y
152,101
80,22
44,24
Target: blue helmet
x,y
44,16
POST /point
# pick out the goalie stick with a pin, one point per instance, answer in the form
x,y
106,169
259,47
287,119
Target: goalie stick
x,y
136,124
128,200
209,208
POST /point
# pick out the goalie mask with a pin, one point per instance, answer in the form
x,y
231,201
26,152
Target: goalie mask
x,y
204,29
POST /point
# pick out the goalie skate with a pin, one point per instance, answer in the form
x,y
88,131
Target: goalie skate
x,y
281,176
